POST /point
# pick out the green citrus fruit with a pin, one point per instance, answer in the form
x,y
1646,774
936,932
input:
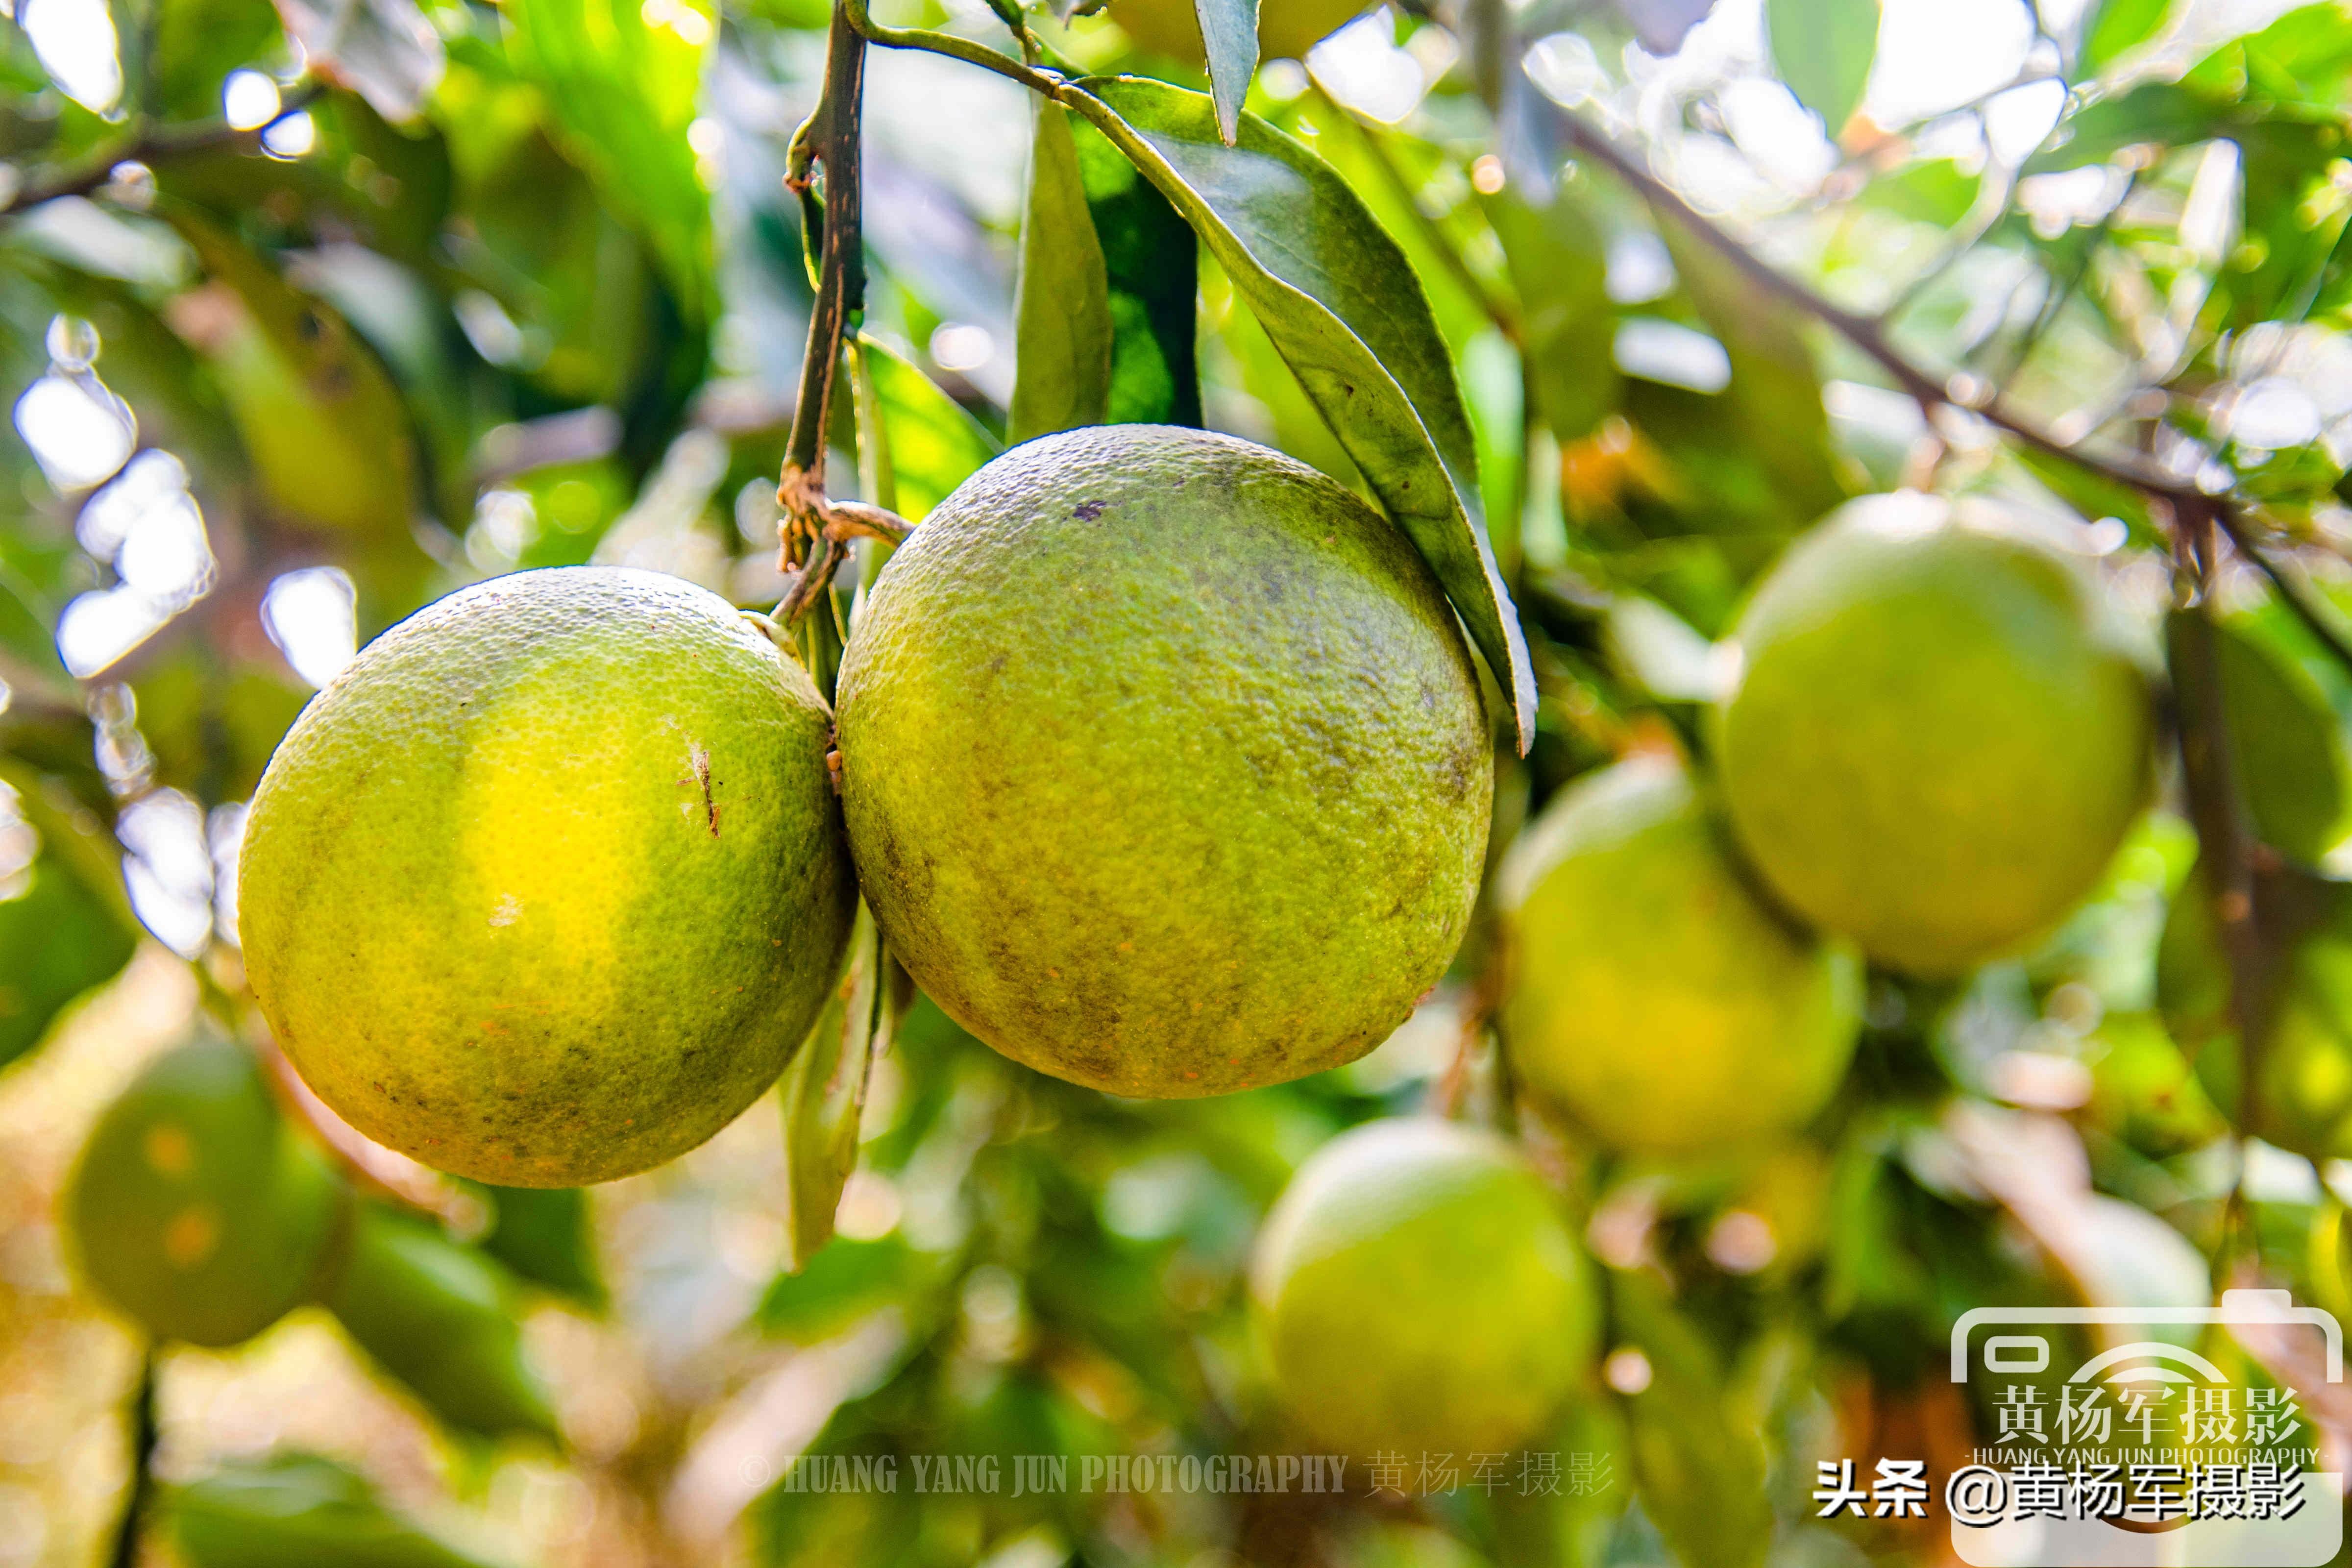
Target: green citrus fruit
x,y
1936,743
194,1208
1164,764
547,886
1416,1289
1655,998
1286,29
440,1318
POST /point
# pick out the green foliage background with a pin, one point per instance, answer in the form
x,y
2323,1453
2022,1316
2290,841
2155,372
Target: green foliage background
x,y
519,285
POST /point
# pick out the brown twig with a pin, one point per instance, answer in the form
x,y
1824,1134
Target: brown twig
x,y
812,550
2186,497
151,145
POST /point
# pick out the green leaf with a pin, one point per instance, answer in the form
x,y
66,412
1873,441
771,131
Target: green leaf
x,y
546,1236
2115,26
1757,454
57,941
1934,190
1339,301
1823,49
1063,304
1559,261
197,42
321,422
824,1093
2285,747
623,92
1228,36
1699,1460
844,1282
2159,111
294,1510
440,1318
932,443
385,50
1151,263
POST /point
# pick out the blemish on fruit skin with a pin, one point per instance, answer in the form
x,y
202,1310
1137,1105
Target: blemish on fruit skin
x,y
191,1236
169,1150
1087,510
508,911
699,760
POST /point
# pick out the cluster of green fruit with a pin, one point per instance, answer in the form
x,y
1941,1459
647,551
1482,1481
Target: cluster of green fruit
x,y
200,1214
1935,745
1164,768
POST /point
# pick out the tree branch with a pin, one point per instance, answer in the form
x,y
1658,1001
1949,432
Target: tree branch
x,y
2187,498
1036,79
153,145
828,141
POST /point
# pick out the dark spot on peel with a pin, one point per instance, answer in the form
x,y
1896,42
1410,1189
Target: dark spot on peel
x,y
1087,510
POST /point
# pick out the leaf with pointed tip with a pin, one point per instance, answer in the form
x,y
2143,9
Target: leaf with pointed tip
x,y
1062,307
1823,49
1229,39
823,1094
1342,305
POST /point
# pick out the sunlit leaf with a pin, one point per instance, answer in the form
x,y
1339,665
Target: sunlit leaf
x,y
1228,36
385,50
1063,307
624,90
1339,300
1934,190
2115,26
934,444
1823,49
294,1510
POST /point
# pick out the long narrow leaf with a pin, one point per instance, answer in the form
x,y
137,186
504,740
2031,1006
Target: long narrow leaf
x,y
1341,304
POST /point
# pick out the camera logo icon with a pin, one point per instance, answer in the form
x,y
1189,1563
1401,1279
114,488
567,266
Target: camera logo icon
x,y
2149,1451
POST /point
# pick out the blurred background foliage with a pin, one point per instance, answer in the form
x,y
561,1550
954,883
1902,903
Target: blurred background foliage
x,y
314,312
